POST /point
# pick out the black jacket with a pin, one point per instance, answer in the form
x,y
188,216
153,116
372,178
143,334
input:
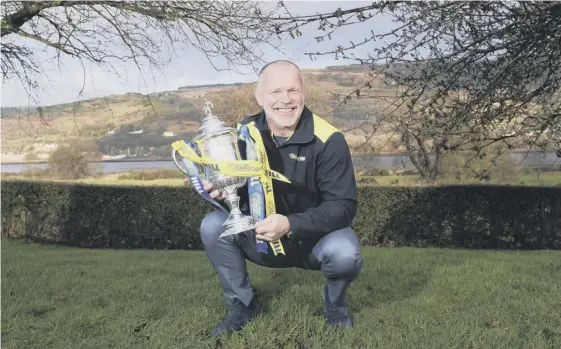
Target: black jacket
x,y
317,160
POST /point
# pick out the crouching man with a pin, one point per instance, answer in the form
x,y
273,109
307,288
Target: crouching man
x,y
314,213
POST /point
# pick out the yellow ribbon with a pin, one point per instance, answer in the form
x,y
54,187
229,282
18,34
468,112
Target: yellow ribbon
x,y
239,168
270,207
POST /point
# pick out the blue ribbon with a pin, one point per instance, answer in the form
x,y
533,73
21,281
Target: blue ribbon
x,y
255,189
192,170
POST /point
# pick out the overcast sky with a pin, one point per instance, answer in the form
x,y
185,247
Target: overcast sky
x,y
190,67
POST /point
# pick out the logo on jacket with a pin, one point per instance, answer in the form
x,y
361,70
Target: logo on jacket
x,y
296,157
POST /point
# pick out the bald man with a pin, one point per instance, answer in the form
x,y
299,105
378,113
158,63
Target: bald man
x,y
314,212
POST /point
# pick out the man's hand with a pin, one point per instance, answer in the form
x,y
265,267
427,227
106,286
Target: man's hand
x,y
272,228
215,194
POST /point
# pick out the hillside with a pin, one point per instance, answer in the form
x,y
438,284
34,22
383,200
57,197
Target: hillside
x,y
140,125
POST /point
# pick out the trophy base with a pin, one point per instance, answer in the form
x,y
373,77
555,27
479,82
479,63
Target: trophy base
x,y
237,225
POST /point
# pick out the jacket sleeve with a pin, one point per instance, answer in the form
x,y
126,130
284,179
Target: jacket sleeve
x,y
337,189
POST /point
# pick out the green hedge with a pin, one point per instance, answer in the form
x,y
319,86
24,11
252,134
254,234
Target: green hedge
x,y
169,217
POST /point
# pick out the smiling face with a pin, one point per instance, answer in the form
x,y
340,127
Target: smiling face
x,y
280,92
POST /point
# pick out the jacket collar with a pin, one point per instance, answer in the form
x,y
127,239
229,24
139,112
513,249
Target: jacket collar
x,y
304,132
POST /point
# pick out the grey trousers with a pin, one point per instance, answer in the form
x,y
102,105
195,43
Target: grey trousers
x,y
337,255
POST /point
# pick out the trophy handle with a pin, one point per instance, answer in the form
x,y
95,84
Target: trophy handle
x,y
177,163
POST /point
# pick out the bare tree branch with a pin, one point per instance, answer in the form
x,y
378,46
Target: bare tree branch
x,y
469,75
106,32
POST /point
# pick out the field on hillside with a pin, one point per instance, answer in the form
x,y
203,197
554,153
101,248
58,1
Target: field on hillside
x,y
95,118
180,111
66,298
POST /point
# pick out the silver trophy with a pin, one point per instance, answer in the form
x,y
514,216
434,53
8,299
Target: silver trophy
x,y
216,141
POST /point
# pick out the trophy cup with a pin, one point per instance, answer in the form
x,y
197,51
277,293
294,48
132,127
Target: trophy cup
x,y
216,141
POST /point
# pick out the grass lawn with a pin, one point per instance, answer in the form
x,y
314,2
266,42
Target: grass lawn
x,y
546,179
111,179
61,297
527,179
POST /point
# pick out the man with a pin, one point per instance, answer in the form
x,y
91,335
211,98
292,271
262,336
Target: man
x,y
314,213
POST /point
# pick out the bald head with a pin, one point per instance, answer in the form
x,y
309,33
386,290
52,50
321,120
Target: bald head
x,y
277,65
280,92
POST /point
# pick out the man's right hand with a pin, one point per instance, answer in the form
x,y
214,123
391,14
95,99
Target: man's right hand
x,y
215,194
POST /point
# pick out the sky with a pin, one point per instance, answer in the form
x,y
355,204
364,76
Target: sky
x,y
68,82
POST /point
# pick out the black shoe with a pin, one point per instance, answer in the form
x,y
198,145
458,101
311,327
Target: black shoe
x,y
237,317
337,315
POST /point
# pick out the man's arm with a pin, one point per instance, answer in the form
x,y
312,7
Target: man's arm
x,y
337,186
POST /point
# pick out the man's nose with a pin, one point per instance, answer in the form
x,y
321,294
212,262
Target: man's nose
x,y
285,97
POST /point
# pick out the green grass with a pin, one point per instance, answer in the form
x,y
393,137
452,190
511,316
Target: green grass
x,y
546,179
61,297
175,182
528,179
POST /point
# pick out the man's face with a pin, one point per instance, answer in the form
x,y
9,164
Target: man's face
x,y
281,95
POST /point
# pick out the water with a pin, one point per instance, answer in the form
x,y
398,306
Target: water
x,y
379,162
105,167
527,159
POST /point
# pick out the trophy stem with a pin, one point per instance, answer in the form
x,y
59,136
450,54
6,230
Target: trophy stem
x,y
233,202
237,222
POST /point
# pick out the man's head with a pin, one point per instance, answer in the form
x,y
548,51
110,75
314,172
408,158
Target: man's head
x,y
280,92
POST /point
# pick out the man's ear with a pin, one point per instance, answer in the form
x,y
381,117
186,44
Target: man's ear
x,y
258,96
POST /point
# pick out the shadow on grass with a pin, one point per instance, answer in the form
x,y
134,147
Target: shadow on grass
x,y
275,285
382,281
387,283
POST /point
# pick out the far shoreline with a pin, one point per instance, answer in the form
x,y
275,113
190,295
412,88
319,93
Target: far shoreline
x,y
39,162
160,159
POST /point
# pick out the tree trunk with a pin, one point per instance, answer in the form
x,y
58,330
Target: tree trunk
x,y
417,154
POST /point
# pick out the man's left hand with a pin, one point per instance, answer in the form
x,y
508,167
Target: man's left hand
x,y
272,228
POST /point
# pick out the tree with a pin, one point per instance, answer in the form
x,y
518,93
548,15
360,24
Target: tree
x,y
469,74
106,32
68,163
482,73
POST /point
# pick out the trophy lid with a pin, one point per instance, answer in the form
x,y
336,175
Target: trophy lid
x,y
211,124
